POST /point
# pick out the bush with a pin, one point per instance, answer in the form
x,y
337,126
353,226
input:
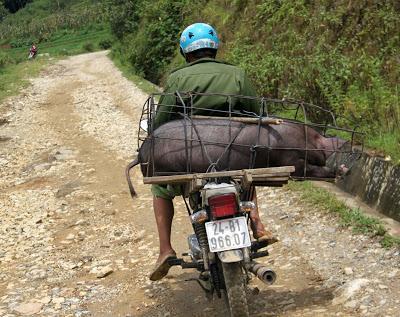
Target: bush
x,y
4,59
88,47
149,43
105,44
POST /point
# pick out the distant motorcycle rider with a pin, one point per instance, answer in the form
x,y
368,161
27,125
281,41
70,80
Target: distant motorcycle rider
x,y
202,74
33,51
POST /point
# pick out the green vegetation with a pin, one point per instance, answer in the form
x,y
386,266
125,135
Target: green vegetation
x,y
14,77
40,19
139,81
59,28
339,55
354,218
147,32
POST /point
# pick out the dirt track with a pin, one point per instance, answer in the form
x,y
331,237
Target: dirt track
x,y
66,219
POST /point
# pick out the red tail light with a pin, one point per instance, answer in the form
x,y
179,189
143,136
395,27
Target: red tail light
x,y
223,205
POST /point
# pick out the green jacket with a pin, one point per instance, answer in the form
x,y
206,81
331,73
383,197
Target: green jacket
x,y
206,75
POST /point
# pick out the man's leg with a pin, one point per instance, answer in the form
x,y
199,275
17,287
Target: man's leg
x,y
164,213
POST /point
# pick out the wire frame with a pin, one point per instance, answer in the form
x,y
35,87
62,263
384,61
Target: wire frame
x,y
289,110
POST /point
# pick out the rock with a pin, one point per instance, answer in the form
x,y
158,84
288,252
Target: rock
x,y
70,236
28,309
349,289
68,188
348,271
64,154
393,273
287,302
37,274
351,304
58,300
104,271
45,300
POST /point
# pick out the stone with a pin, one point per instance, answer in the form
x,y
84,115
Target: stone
x,y
70,236
351,304
28,309
104,271
58,300
45,300
348,271
349,289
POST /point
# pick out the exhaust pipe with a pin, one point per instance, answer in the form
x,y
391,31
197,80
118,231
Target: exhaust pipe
x,y
266,275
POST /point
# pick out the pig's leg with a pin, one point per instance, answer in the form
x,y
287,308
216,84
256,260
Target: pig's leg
x,y
319,171
312,170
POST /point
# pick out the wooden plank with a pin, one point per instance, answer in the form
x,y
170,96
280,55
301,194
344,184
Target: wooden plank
x,y
264,120
270,179
179,179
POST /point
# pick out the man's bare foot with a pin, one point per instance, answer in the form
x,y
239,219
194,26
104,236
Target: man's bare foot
x,y
265,235
162,266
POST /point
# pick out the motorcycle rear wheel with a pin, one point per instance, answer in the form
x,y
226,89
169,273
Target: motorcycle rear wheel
x,y
235,289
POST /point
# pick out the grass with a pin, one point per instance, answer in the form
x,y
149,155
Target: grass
x,y
354,218
128,73
68,44
14,77
388,143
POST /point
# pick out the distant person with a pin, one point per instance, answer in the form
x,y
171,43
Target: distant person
x,y
33,51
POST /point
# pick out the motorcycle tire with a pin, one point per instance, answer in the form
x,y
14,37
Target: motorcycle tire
x,y
235,289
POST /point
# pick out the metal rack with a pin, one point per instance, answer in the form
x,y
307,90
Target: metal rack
x,y
272,111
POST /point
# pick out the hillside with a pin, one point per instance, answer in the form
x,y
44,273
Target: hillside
x,y
39,20
59,28
340,55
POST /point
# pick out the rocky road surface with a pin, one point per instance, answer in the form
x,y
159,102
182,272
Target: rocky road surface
x,y
73,243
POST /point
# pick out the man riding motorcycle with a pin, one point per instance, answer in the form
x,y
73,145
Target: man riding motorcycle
x,y
202,74
33,51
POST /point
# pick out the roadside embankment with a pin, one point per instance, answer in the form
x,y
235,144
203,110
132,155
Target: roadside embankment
x,y
376,182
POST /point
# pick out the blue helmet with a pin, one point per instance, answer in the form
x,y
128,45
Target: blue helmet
x,y
198,36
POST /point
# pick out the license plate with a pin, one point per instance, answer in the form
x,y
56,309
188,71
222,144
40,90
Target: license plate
x,y
228,234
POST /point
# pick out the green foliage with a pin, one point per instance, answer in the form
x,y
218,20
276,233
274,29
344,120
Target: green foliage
x,y
341,56
13,77
3,11
105,44
148,34
42,18
88,47
5,59
354,218
14,5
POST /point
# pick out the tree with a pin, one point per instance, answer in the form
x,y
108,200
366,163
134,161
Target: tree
x,y
3,11
14,5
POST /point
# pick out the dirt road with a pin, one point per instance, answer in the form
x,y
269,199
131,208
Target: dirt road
x,y
73,243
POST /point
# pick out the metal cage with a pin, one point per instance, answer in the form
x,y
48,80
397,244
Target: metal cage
x,y
179,105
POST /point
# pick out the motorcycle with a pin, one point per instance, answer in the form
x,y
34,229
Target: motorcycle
x,y
32,54
221,248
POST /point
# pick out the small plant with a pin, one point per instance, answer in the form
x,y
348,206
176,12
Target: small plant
x,y
4,60
88,47
105,44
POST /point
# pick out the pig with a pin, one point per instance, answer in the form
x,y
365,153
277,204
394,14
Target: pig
x,y
197,146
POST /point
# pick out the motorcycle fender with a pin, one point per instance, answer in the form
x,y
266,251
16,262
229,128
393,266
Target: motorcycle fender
x,y
230,256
